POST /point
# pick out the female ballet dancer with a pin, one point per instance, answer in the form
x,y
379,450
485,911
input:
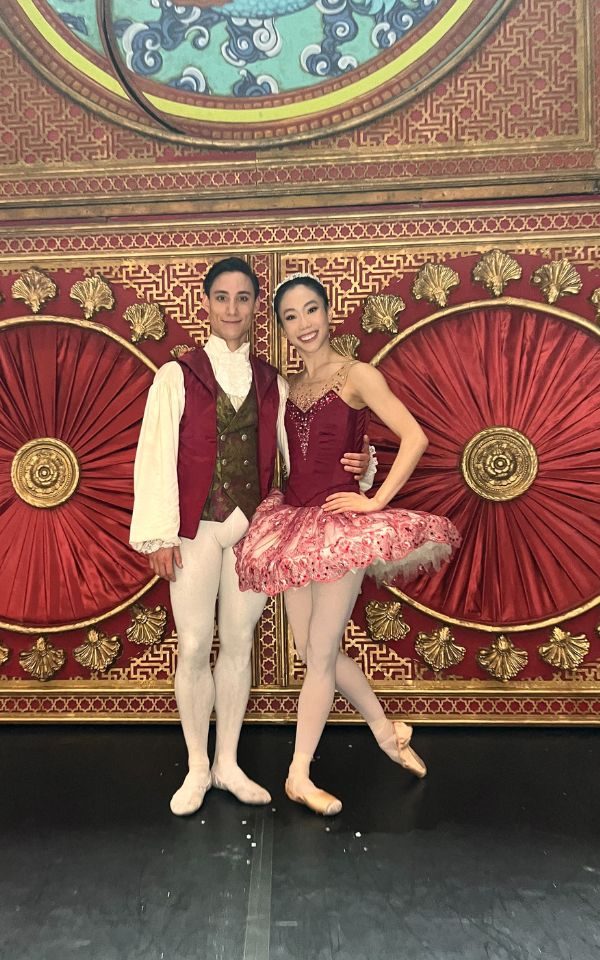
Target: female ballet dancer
x,y
316,541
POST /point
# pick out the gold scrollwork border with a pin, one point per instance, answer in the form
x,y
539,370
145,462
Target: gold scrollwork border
x,y
28,320
404,335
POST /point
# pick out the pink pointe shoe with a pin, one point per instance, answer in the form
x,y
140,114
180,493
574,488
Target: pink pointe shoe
x,y
319,801
407,757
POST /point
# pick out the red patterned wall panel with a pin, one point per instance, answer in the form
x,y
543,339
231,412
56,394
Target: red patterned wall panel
x,y
357,257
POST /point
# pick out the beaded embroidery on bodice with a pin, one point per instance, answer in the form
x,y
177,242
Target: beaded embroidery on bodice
x,y
304,402
304,397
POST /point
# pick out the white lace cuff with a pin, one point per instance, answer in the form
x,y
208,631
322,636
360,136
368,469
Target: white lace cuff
x,y
149,546
366,481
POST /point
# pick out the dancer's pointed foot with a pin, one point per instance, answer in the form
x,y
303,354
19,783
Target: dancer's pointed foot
x,y
394,739
407,757
304,791
191,793
232,778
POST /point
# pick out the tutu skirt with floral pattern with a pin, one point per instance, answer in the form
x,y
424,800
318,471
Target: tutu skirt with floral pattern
x,y
289,546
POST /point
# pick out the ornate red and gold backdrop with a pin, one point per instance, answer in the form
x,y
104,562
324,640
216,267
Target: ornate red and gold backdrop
x,y
480,304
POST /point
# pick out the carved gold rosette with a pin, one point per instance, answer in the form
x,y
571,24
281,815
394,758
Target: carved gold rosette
x,y
4,654
98,651
93,294
434,282
438,649
43,660
495,269
557,279
384,620
34,288
147,626
501,659
564,650
499,463
380,313
45,472
146,321
346,345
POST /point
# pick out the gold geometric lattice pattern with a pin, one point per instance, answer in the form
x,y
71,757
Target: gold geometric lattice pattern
x,y
586,673
174,285
510,88
157,662
379,662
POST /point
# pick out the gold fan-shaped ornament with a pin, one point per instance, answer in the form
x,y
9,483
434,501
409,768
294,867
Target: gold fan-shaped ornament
x,y
146,321
557,279
147,626
495,269
434,282
384,620
34,287
4,654
501,659
181,349
380,313
98,651
346,345
595,299
438,649
43,660
93,294
564,650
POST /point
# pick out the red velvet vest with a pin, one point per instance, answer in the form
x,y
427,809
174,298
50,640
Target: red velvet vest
x,y
198,434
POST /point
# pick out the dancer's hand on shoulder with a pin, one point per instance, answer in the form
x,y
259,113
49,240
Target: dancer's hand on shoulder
x,y
164,561
351,503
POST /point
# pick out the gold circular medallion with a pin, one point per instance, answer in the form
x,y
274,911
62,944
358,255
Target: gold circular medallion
x,y
499,463
45,472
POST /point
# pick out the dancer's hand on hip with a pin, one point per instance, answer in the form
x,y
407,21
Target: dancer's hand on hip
x,y
351,503
164,561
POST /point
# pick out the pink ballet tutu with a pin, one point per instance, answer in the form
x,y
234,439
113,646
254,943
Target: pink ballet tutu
x,y
289,546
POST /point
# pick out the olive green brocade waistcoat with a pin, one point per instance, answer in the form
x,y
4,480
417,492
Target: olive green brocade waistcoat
x,y
235,481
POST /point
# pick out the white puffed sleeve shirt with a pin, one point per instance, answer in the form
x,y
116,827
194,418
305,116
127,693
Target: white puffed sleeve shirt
x,y
155,520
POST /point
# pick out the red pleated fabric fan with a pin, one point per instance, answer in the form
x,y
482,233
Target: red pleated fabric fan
x,y
535,556
70,562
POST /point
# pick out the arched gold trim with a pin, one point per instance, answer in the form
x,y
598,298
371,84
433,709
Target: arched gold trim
x,y
107,332
151,122
404,335
28,321
536,305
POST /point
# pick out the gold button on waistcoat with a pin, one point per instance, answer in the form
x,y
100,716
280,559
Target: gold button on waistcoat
x,y
246,462
224,462
248,485
226,485
244,436
223,437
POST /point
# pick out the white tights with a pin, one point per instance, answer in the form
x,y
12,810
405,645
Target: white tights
x,y
318,614
208,574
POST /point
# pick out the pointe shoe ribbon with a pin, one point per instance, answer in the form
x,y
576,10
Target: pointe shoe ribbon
x,y
408,758
319,801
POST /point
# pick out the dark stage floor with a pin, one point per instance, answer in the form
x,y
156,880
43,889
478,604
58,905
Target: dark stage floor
x,y
495,856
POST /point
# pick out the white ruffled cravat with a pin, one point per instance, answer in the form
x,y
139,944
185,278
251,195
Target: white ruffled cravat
x,y
231,367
